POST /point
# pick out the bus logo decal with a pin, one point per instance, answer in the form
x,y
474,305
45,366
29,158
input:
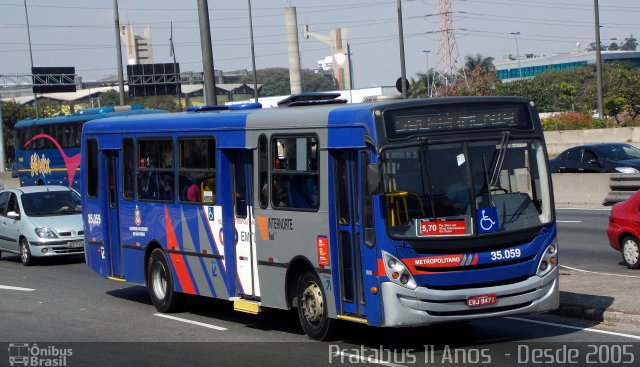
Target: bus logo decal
x,y
137,216
71,163
262,227
39,165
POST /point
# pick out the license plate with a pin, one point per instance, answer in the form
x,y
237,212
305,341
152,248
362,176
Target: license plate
x,y
76,244
482,300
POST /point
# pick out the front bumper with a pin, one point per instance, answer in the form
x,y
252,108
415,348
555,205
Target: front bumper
x,y
57,247
424,306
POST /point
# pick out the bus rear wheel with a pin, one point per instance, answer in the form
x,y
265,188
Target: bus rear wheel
x,y
160,283
312,307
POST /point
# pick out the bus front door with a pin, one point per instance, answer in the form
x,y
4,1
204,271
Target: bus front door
x,y
111,164
356,249
245,251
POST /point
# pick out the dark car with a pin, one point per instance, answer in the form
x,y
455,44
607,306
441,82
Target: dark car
x,y
624,230
598,158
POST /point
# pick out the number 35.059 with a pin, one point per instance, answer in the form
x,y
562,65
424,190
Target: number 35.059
x,y
506,254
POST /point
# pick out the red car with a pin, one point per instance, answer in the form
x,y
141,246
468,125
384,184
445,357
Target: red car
x,y
624,230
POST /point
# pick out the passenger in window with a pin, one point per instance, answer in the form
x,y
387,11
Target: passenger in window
x,y
193,192
280,191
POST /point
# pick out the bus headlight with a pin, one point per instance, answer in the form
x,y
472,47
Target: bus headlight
x,y
549,259
397,272
44,232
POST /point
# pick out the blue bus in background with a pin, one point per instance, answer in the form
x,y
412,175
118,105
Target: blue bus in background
x,y
47,150
390,214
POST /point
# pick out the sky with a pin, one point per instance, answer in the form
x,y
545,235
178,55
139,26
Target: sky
x,y
81,33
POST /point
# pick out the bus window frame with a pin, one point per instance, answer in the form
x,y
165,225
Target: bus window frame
x,y
155,170
180,168
273,173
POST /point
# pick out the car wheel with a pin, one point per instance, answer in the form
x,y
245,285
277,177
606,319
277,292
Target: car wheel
x,y
630,252
160,283
25,252
312,307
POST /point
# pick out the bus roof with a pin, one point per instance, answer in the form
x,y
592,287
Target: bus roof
x,y
332,115
90,114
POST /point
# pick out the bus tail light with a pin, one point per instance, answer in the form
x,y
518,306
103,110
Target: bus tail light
x,y
549,259
397,272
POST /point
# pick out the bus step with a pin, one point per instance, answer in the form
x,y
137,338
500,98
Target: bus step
x,y
247,306
117,278
359,320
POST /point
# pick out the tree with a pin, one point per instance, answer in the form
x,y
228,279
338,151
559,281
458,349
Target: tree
x,y
275,81
110,98
613,47
13,112
613,106
485,63
630,44
479,82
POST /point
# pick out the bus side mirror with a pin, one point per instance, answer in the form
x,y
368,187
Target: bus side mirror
x,y
373,179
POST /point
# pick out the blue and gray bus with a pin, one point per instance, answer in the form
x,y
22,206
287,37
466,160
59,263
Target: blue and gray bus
x,y
47,150
394,213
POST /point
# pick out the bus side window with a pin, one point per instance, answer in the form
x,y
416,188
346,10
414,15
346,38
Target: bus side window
x,y
295,173
196,170
155,169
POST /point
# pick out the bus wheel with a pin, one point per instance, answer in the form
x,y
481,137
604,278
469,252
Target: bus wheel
x,y
312,307
25,252
160,283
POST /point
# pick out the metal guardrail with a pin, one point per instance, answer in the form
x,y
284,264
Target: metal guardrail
x,y
622,186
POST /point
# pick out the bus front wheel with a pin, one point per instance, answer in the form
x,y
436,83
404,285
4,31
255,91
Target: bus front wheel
x,y
312,307
160,283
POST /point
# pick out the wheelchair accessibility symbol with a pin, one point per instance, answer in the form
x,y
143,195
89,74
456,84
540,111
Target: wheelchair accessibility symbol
x,y
487,219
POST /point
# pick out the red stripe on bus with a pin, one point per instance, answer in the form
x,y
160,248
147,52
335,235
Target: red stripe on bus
x,y
177,260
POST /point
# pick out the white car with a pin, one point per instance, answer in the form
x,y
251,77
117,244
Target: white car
x,y
41,221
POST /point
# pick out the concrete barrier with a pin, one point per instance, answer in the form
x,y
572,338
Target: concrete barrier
x,y
558,141
580,189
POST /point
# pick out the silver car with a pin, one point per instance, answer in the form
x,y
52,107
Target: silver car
x,y
41,221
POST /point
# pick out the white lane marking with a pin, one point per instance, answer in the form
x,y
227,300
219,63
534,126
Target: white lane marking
x,y
598,331
368,359
597,272
586,209
16,288
569,221
219,328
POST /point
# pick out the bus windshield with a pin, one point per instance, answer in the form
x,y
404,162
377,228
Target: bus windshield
x,y
466,188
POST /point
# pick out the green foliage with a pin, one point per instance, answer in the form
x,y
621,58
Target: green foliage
x,y
11,113
479,82
168,103
572,121
275,81
472,62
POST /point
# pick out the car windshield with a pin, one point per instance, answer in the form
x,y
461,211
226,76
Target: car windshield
x,y
465,189
51,203
618,152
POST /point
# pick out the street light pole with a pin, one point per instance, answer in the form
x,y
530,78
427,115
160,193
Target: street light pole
x,y
598,60
403,72
116,19
207,54
253,56
515,35
426,52
26,13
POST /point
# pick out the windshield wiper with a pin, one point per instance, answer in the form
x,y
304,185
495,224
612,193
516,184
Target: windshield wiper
x,y
497,166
